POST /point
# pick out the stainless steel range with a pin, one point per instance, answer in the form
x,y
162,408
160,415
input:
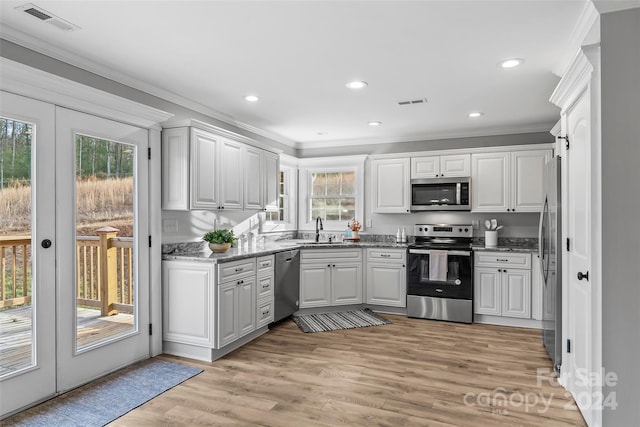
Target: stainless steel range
x,y
440,273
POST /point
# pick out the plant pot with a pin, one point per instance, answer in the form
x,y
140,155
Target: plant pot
x,y
219,247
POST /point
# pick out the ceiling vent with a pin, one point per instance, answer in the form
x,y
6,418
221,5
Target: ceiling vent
x,y
49,18
413,102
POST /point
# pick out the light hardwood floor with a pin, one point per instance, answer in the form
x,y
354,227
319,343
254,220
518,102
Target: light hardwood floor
x,y
409,373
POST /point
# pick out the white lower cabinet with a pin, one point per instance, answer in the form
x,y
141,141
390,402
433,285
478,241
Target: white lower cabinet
x,y
330,277
236,305
503,284
264,290
386,282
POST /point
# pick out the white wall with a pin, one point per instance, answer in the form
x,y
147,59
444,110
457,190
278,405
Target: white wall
x,y
620,41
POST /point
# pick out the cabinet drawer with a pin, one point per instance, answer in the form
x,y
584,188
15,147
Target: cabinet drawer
x,y
265,286
503,259
382,254
332,255
231,270
265,263
264,315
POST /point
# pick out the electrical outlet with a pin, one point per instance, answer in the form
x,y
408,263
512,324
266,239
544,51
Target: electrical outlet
x,y
170,225
368,222
475,223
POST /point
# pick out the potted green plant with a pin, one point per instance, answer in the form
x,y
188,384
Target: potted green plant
x,y
219,240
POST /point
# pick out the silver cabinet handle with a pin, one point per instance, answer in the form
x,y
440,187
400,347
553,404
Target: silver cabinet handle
x,y
239,269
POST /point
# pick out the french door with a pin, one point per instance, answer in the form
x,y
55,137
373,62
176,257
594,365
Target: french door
x,y
84,306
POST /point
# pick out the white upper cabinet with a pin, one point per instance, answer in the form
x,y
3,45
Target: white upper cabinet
x,y
509,181
391,187
261,178
204,170
446,166
175,169
204,167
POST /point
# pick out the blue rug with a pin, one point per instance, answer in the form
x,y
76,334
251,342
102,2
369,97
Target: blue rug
x,y
108,398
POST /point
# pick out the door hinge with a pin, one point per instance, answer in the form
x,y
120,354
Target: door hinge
x,y
566,141
149,241
568,244
568,345
150,329
149,153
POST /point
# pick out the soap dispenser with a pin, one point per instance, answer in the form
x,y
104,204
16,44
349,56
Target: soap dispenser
x,y
398,236
403,236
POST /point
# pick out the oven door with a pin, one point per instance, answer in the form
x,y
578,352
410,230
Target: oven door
x,y
459,277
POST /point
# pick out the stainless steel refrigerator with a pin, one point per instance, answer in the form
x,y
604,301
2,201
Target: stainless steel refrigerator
x,y
550,248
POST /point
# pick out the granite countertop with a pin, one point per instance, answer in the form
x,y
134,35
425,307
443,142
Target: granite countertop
x,y
509,245
261,249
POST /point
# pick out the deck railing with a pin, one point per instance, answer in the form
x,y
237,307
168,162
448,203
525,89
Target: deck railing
x,y
104,271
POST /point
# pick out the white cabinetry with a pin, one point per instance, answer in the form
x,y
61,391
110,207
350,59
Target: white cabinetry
x,y
503,284
386,281
508,181
236,305
391,189
453,165
260,179
264,290
330,277
188,294
203,170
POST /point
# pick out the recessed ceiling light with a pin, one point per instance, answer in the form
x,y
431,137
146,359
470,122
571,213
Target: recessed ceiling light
x,y
356,84
375,123
251,98
476,114
511,63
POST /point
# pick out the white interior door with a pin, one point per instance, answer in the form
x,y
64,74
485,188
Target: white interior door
x,y
102,251
579,257
27,219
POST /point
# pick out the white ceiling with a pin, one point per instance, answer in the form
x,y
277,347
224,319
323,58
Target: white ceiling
x,y
297,57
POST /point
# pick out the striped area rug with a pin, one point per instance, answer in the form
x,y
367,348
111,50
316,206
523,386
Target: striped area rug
x,y
322,322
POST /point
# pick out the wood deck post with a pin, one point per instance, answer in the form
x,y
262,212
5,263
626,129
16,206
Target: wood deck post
x,y
108,271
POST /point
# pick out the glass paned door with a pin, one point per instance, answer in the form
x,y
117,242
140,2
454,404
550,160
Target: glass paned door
x,y
27,258
103,292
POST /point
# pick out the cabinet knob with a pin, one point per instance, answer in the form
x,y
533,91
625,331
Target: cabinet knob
x,y
582,275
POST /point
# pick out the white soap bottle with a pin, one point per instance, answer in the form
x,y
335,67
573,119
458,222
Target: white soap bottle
x,y
403,236
398,236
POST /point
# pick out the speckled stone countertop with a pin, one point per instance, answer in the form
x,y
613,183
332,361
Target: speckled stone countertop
x,y
197,251
508,245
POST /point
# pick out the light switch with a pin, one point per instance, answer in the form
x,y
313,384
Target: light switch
x,y
170,225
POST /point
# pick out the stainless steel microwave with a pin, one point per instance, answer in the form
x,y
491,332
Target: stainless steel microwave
x,y
441,194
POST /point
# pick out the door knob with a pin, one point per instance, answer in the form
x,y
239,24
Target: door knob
x,y
46,243
582,275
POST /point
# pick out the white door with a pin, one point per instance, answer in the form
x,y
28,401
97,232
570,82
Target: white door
x,y
578,230
231,174
386,285
252,179
271,181
102,246
27,328
488,291
246,306
346,284
527,193
315,285
516,293
204,175
227,318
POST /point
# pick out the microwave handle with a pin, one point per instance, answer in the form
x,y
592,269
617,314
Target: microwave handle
x,y
450,253
458,191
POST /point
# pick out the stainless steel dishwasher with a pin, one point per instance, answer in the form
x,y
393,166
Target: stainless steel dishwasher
x,y
287,286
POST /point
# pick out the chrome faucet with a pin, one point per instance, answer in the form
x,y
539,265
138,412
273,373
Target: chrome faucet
x,y
318,221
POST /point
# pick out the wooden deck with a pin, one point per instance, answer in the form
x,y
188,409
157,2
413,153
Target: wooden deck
x,y
15,333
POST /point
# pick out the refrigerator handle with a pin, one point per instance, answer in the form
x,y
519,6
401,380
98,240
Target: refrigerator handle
x,y
541,238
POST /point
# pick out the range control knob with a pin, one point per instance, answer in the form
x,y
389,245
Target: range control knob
x,y
466,229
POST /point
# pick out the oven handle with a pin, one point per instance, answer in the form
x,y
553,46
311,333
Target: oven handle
x,y
450,253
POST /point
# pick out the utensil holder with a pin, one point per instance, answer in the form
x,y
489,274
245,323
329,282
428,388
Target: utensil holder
x,y
491,238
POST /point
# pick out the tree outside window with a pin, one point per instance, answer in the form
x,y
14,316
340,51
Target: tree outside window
x,y
333,196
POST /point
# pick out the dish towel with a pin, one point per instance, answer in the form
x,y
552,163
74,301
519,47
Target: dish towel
x,y
438,265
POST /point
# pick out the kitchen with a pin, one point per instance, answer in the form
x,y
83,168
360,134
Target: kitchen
x,y
189,225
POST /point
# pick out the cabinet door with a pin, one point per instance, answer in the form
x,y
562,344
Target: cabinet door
x,y
264,312
487,298
346,284
386,284
315,285
204,179
527,168
227,313
252,179
490,182
455,165
271,181
231,174
391,186
516,293
246,306
187,290
425,167
175,169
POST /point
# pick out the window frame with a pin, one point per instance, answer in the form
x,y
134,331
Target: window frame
x,y
289,168
328,165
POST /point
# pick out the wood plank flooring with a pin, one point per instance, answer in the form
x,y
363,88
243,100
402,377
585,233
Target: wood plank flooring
x,y
409,373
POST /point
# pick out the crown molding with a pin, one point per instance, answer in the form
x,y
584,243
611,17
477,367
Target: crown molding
x,y
575,80
606,6
13,35
31,82
507,130
586,31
